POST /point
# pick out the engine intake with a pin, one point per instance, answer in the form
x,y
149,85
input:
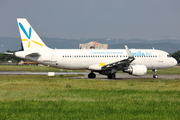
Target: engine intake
x,y
136,70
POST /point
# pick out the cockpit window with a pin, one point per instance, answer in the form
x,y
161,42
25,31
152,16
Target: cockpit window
x,y
168,55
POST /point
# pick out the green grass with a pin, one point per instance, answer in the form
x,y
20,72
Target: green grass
x,y
61,97
168,71
27,68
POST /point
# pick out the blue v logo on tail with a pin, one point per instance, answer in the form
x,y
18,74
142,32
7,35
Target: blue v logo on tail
x,y
23,29
28,35
29,38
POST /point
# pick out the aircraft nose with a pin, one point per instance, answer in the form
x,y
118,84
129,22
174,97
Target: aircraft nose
x,y
174,62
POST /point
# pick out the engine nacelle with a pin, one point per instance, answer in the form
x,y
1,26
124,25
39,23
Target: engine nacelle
x,y
136,70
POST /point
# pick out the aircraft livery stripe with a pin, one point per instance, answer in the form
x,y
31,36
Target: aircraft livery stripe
x,y
37,43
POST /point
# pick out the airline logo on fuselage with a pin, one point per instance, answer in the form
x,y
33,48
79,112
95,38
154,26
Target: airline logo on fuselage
x,y
106,53
28,35
140,53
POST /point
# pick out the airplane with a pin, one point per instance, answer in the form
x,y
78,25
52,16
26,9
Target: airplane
x,y
103,61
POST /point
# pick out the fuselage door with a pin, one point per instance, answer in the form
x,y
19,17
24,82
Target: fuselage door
x,y
160,59
53,57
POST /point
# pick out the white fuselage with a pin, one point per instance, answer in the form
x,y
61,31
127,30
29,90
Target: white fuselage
x,y
83,58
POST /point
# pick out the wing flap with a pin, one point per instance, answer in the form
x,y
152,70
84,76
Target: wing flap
x,y
118,64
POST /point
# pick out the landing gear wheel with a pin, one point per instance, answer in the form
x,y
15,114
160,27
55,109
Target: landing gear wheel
x,y
111,76
155,74
91,75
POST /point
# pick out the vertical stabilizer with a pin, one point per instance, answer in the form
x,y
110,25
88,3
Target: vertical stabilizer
x,y
30,39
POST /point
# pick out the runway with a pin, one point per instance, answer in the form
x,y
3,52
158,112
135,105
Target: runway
x,y
98,76
37,73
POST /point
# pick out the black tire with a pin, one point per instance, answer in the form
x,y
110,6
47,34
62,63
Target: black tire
x,y
111,76
155,76
91,75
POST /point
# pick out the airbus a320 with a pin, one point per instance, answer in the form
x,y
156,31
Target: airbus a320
x,y
103,61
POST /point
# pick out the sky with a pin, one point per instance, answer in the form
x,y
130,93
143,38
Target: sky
x,y
76,19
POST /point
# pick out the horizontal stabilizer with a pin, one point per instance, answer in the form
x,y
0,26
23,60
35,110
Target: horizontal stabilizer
x,y
33,55
8,53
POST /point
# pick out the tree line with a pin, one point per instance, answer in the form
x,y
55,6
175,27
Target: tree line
x,y
5,58
176,55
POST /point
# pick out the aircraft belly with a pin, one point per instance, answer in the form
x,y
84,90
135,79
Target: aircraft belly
x,y
73,64
150,63
78,63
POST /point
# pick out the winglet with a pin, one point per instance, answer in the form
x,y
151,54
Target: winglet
x,y
128,51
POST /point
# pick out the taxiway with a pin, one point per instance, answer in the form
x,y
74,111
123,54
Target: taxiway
x,y
98,76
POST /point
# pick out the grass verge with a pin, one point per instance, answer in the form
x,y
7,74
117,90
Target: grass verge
x,y
59,97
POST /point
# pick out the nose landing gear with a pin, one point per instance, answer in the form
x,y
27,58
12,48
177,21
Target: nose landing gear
x,y
155,74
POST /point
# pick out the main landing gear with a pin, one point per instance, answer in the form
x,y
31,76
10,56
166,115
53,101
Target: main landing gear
x,y
91,75
111,76
155,73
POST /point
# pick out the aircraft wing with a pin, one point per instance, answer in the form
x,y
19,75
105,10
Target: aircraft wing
x,y
120,64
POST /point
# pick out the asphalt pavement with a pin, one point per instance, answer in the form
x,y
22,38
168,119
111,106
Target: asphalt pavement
x,y
98,76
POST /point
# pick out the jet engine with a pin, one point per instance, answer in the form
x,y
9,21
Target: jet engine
x,y
136,70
